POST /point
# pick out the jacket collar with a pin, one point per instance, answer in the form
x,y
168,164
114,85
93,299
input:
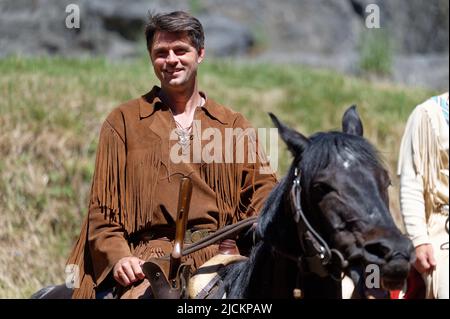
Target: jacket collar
x,y
149,103
214,110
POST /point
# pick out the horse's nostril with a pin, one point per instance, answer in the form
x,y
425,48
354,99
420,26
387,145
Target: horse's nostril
x,y
378,249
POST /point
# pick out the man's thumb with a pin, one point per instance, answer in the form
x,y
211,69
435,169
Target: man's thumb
x,y
431,259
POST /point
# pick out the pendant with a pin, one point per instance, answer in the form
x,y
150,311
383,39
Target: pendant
x,y
184,138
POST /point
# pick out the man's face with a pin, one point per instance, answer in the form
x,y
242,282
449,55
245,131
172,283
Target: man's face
x,y
175,60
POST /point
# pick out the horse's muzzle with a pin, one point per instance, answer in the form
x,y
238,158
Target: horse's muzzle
x,y
393,257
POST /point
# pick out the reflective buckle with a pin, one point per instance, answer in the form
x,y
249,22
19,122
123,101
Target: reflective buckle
x,y
193,236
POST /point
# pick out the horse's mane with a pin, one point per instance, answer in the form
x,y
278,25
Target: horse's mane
x,y
327,148
242,271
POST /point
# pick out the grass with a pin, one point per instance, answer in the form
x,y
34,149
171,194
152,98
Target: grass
x,y
376,52
50,114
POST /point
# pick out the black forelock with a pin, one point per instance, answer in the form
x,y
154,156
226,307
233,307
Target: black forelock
x,y
328,148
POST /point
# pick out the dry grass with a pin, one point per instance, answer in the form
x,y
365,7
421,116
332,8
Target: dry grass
x,y
50,114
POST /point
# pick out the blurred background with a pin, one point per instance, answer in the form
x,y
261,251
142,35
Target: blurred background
x,y
304,60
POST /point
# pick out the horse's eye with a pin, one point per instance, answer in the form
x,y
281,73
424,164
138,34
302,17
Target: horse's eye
x,y
322,189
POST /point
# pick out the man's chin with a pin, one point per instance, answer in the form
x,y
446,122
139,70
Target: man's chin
x,y
175,82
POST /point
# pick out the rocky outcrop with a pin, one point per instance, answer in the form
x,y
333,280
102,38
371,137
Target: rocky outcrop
x,y
322,33
107,27
416,26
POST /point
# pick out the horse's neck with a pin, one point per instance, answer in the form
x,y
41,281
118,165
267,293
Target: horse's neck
x,y
315,287
270,276
277,277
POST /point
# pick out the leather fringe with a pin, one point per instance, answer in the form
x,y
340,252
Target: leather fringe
x,y
122,192
84,288
225,180
427,159
108,185
140,193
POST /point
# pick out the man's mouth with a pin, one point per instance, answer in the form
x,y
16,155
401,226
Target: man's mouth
x,y
174,71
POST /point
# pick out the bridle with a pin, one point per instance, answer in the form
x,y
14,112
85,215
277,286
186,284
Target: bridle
x,y
317,256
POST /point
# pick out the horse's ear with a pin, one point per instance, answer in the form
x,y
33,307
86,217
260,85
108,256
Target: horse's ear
x,y
295,141
351,123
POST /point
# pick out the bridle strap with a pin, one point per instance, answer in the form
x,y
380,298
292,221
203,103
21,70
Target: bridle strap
x,y
318,255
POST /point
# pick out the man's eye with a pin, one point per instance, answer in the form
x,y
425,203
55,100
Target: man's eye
x,y
159,54
180,51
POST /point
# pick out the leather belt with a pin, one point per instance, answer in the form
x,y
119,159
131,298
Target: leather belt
x,y
191,235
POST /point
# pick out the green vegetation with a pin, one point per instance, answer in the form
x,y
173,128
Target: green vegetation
x,y
260,39
196,6
375,52
51,111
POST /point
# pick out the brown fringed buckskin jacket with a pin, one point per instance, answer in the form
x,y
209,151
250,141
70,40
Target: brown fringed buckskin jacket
x,y
136,183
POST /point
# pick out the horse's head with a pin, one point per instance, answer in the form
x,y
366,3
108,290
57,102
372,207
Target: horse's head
x,y
342,201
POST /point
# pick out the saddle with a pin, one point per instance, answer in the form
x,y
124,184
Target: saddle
x,y
205,282
162,285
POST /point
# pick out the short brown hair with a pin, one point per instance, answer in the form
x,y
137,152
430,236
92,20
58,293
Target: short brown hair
x,y
177,21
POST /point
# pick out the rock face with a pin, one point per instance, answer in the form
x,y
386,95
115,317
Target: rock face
x,y
416,26
316,32
107,27
321,26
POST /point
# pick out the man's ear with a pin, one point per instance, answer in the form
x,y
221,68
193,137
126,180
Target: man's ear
x,y
149,51
295,141
201,55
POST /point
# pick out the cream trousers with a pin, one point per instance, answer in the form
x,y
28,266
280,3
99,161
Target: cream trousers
x,y
437,281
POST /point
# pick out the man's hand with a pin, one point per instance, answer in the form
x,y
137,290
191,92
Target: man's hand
x,y
424,258
128,270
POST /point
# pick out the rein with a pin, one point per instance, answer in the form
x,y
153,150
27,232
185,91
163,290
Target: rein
x,y
221,234
318,256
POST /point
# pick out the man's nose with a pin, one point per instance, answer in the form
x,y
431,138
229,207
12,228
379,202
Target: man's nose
x,y
171,57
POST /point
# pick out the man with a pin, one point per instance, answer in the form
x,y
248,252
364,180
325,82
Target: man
x,y
423,168
146,146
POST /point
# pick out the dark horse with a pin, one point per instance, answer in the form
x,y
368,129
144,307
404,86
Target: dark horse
x,y
328,217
